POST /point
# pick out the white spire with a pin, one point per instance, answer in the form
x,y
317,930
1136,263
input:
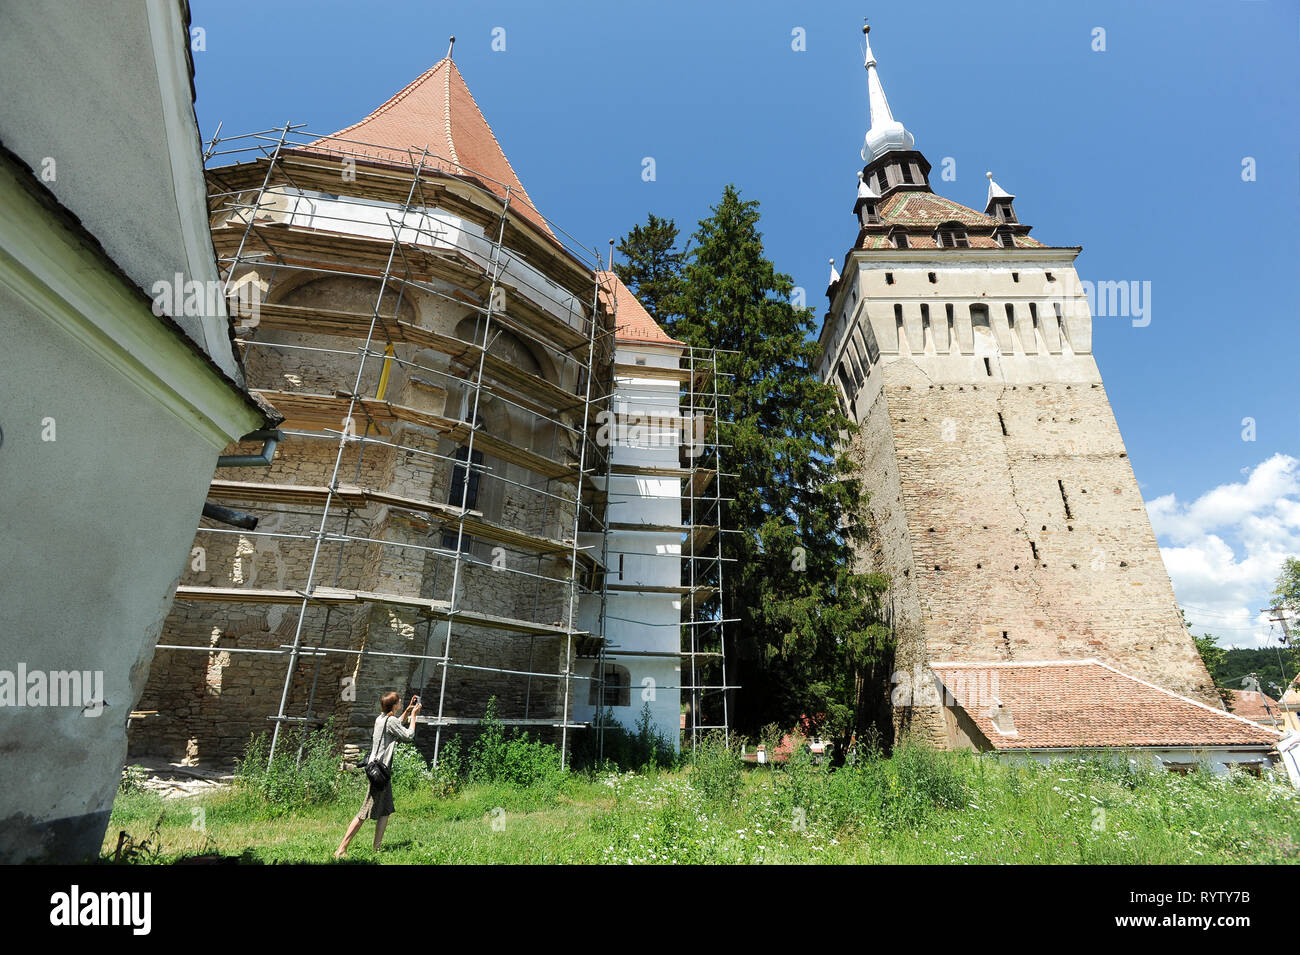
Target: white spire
x,y
886,133
864,190
835,273
995,191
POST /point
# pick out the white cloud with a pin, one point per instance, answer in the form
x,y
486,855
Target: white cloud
x,y
1224,550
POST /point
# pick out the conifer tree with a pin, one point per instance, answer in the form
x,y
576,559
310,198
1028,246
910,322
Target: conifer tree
x,y
809,640
652,267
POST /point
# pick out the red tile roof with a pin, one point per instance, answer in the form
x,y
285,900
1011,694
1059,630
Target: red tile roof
x,y
437,110
920,213
1254,705
632,322
1081,704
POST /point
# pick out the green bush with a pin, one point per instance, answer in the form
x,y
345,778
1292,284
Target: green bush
x,y
410,771
639,749
716,769
513,758
919,781
132,781
449,773
289,782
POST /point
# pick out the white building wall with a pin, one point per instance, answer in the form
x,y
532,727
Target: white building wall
x,y
641,623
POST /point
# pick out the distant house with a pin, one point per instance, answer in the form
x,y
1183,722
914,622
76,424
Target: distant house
x,y
1048,709
1258,707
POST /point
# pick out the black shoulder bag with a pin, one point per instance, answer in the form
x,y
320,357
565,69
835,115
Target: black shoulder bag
x,y
376,771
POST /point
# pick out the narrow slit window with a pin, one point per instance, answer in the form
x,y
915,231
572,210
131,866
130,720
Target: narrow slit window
x,y
1069,515
1011,315
988,368
1034,547
1002,423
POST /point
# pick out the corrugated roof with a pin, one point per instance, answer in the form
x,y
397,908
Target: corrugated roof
x,y
1085,704
437,110
633,322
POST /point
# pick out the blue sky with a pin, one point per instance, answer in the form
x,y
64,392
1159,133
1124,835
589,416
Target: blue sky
x,y
1134,152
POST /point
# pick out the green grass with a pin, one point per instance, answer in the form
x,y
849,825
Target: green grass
x,y
916,807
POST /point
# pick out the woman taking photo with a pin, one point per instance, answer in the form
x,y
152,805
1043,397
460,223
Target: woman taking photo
x,y
389,728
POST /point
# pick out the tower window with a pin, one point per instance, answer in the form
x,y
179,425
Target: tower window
x,y
934,279
898,315
988,368
852,352
1033,314
906,170
889,278
925,317
1050,277
1006,239
1011,315
460,475
953,237
900,240
846,381
1015,276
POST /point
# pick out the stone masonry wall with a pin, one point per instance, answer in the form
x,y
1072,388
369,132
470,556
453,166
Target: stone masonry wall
x,y
1003,503
208,703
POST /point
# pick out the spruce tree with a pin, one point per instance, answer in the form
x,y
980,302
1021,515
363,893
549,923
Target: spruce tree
x,y
809,640
652,267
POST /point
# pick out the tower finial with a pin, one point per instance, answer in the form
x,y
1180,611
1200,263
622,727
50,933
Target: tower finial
x,y
451,42
886,133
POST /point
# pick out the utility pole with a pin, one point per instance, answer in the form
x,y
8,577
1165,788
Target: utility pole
x,y
1280,618
1286,636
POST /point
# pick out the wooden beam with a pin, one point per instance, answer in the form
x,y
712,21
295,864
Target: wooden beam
x,y
318,412
445,514
334,597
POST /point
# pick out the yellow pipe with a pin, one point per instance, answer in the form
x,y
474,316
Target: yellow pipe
x,y
383,377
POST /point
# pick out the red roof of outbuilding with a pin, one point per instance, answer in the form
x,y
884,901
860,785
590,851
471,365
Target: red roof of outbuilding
x,y
1087,704
437,110
632,322
1257,706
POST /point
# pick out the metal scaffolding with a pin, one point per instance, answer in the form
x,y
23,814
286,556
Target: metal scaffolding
x,y
288,208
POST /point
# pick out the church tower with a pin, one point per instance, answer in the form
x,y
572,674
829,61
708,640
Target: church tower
x,y
1003,505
